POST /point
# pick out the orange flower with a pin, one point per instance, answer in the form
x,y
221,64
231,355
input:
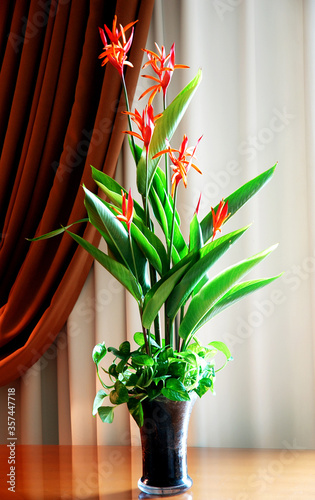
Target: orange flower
x,y
181,164
127,210
163,65
220,217
145,123
116,52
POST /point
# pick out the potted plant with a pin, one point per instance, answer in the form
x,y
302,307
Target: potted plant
x,y
168,368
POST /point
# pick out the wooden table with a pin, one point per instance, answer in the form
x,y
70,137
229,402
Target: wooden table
x,y
112,472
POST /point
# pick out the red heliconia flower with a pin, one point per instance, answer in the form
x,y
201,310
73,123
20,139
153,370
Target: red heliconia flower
x,y
163,65
181,164
127,210
115,52
220,217
145,123
198,205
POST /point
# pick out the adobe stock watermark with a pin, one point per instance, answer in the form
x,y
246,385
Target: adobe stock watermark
x,y
83,487
32,25
223,7
86,310
265,477
39,363
216,183
91,139
253,144
11,445
74,156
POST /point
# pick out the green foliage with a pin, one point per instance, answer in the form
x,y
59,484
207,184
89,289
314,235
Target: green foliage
x,y
165,128
134,376
163,271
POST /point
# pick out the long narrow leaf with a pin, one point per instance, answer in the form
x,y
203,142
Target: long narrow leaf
x,y
56,232
105,221
236,293
113,189
151,246
209,255
215,289
162,205
165,128
153,302
237,199
119,271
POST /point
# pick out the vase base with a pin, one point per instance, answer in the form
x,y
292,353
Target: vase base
x,y
165,490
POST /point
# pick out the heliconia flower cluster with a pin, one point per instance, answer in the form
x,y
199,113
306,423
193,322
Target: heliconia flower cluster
x,y
116,51
163,65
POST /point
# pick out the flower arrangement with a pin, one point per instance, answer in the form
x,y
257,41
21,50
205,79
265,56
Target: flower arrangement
x,y
166,275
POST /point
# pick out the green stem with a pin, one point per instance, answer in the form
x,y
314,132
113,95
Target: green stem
x,y
172,230
157,326
176,336
146,195
166,157
131,138
133,257
146,341
169,331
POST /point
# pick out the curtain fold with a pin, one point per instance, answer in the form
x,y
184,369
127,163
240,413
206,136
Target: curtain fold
x,y
62,114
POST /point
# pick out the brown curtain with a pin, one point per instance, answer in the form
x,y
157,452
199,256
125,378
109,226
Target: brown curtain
x,y
59,114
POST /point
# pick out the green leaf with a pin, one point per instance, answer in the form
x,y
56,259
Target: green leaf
x,y
208,256
236,293
119,271
146,377
141,359
107,223
195,234
139,338
98,401
106,413
118,353
203,386
136,411
222,347
163,207
113,189
120,394
175,390
135,149
165,128
214,290
124,348
237,199
150,245
56,232
99,352
158,294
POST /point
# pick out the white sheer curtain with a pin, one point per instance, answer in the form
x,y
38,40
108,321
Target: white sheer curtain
x,y
255,106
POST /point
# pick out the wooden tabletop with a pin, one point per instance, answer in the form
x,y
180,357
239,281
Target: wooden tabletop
x,y
112,473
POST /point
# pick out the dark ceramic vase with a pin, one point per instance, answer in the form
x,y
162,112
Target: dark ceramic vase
x,y
164,446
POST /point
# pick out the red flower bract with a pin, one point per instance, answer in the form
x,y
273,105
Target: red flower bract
x,y
219,217
145,123
127,210
181,164
163,65
115,52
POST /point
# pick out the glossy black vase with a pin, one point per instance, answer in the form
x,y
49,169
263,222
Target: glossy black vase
x,y
164,446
